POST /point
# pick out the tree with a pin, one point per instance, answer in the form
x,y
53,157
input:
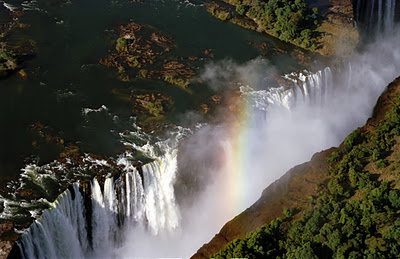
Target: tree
x,y
241,9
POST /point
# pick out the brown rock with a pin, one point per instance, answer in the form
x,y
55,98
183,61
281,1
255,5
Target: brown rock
x,y
5,248
27,194
6,227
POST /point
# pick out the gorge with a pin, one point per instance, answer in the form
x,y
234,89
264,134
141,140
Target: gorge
x,y
192,180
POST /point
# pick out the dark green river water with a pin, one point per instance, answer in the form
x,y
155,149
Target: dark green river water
x,y
64,76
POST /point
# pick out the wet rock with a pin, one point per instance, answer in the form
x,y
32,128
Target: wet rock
x,y
204,108
45,134
209,53
27,194
5,248
153,126
216,99
23,74
6,227
211,104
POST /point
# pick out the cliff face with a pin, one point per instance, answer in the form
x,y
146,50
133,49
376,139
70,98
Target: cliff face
x,y
294,190
290,191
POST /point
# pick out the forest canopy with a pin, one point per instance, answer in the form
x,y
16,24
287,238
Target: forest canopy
x,y
289,20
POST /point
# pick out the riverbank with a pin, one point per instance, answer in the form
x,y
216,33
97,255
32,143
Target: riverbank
x,y
334,33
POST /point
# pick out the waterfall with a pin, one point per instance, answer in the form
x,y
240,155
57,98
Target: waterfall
x,y
319,110
378,27
308,113
371,14
389,16
61,232
308,88
138,197
377,16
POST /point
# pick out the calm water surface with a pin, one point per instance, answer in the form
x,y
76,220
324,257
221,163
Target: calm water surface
x,y
64,76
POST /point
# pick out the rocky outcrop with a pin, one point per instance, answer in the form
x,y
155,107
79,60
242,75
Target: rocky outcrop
x,y
295,188
7,238
139,51
152,104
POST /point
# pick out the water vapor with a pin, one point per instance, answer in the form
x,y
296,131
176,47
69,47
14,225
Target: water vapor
x,y
226,74
207,176
287,129
222,169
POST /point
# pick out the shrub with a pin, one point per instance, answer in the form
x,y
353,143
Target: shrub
x,y
241,9
287,212
334,157
122,45
353,139
381,163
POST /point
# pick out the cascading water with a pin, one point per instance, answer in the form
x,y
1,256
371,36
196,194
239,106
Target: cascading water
x,y
61,232
324,107
137,198
376,15
308,88
140,198
144,200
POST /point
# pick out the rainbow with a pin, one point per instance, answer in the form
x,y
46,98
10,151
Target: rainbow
x,y
235,156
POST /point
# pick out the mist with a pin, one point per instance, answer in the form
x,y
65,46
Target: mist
x,y
222,169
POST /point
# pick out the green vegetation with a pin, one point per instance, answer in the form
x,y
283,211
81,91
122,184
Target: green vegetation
x,y
177,81
245,23
155,108
289,20
133,62
143,73
218,12
8,61
356,213
122,45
